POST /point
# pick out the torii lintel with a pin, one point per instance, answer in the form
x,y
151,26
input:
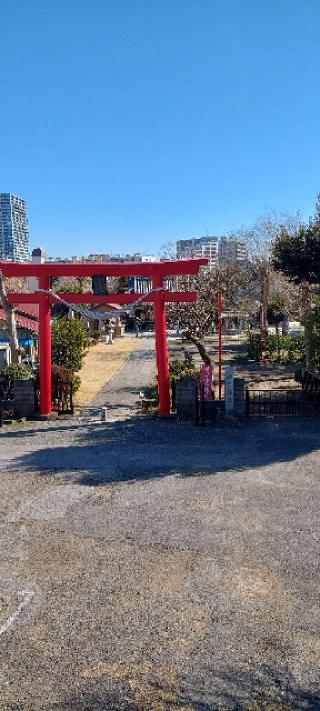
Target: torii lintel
x,y
157,271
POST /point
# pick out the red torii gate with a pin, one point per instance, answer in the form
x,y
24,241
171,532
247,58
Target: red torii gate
x,y
157,271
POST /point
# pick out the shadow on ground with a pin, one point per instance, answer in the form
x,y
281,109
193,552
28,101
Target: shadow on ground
x,y
264,693
142,448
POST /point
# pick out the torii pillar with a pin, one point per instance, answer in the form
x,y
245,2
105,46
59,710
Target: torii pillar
x,y
44,346
160,327
157,271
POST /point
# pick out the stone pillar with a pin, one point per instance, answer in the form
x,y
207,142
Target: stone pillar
x,y
186,398
239,397
24,402
229,388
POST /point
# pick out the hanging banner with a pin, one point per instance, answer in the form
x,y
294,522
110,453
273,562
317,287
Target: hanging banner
x,y
206,381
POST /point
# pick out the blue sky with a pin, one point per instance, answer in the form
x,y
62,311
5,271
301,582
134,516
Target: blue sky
x,y
128,123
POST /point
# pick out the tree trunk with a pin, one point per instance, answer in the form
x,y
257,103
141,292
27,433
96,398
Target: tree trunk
x,y
306,318
200,346
264,299
11,321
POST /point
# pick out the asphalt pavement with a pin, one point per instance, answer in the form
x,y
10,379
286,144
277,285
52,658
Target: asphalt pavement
x,y
152,566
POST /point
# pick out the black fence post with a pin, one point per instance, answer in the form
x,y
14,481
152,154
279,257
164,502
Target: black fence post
x,y
196,402
71,398
173,393
203,406
247,402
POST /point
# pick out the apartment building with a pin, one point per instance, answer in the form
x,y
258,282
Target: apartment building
x,y
14,233
218,250
232,250
198,247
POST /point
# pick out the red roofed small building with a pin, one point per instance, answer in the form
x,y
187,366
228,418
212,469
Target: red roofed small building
x,y
27,320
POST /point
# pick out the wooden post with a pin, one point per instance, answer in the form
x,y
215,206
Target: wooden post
x,y
161,347
45,348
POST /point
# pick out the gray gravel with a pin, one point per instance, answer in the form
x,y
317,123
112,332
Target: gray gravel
x,y
156,566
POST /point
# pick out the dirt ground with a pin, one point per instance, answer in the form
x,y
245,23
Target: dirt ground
x,y
262,377
100,364
103,362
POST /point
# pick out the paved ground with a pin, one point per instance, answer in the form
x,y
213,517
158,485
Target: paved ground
x,y
150,566
147,565
121,393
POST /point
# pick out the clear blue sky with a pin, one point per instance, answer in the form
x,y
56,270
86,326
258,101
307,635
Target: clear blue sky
x,y
127,123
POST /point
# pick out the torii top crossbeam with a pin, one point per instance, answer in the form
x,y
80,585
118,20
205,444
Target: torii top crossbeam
x,y
155,270
164,268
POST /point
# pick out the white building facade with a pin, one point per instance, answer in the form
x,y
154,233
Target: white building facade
x,y
218,250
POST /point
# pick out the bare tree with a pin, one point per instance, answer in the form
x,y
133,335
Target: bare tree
x,y
198,319
244,286
168,251
259,240
11,321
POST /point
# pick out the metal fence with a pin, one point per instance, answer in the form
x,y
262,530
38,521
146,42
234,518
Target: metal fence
x,y
62,398
289,402
6,401
207,411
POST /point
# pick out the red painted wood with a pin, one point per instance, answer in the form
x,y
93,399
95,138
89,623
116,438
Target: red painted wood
x,y
160,327
170,296
156,270
44,349
166,268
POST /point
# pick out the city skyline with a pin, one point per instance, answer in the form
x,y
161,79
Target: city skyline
x,y
23,252
137,249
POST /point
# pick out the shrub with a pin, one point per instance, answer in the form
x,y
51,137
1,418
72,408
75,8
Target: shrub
x,y
273,345
252,345
65,375
150,399
294,348
16,371
286,348
69,343
179,366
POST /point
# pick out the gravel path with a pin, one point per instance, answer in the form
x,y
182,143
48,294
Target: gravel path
x,y
121,394
150,566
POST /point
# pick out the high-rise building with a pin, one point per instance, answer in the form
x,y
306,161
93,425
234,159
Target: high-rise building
x,y
199,247
218,250
232,250
14,233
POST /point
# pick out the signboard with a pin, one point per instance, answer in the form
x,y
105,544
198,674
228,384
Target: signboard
x,y
99,285
228,388
206,381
